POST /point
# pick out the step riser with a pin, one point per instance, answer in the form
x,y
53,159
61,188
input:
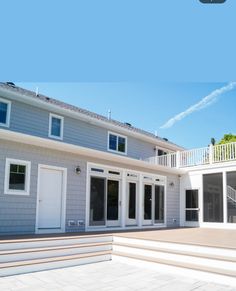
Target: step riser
x,y
177,247
52,265
223,265
52,243
52,253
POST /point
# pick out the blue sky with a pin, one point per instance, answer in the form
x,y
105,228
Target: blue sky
x,y
150,105
119,40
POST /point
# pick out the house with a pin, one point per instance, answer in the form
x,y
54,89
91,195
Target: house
x,y
65,169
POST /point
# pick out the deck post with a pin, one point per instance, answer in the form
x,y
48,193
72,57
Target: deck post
x,y
177,159
211,151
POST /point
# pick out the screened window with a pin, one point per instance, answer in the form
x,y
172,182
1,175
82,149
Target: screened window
x,y
4,112
17,177
117,143
56,126
213,197
231,197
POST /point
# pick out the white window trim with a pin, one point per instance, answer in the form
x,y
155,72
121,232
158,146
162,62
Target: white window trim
x,y
51,115
27,177
7,124
118,135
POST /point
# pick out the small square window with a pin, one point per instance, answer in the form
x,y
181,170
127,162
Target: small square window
x,y
117,143
56,126
17,177
5,107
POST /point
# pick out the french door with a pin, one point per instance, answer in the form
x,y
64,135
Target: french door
x,y
191,207
104,202
153,204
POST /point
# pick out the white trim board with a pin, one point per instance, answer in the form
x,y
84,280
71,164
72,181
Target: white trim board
x,y
82,151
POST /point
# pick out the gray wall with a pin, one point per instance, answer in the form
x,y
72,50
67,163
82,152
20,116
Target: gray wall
x,y
35,121
17,213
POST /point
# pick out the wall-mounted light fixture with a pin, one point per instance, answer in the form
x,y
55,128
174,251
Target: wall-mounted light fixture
x,y
77,170
172,184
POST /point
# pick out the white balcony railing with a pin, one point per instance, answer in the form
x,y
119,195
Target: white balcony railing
x,y
196,157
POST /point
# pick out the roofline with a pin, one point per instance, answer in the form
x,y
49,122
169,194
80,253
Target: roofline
x,y
86,118
8,135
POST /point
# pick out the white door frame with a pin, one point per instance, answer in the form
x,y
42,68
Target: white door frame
x,y
110,223
63,206
148,221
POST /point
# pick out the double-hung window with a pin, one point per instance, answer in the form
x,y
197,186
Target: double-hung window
x,y
5,109
56,124
117,143
17,177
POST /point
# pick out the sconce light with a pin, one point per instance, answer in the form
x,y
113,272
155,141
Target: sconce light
x,y
77,170
172,184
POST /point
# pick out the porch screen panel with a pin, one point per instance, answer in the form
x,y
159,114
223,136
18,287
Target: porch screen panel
x,y
97,202
213,197
191,205
147,202
159,204
112,200
231,197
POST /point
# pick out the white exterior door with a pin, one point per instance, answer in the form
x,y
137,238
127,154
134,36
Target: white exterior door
x,y
148,204
50,198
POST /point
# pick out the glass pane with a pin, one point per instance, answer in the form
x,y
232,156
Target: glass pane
x,y
17,178
213,197
231,197
121,144
147,202
56,127
191,198
3,112
112,200
191,215
113,142
159,204
132,200
97,201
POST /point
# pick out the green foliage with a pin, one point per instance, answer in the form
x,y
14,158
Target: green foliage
x,y
229,137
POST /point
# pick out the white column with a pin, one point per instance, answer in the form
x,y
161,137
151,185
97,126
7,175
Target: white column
x,y
224,197
177,159
123,199
211,154
140,201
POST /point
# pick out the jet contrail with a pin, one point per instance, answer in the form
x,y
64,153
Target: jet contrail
x,y
206,101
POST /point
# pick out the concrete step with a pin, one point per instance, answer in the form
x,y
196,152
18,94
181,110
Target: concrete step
x,y
216,261
176,252
26,266
216,270
14,244
50,252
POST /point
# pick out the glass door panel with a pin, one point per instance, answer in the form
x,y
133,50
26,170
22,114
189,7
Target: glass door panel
x,y
159,204
112,203
132,203
97,202
147,215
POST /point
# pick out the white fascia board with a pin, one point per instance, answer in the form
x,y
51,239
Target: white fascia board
x,y
66,112
65,147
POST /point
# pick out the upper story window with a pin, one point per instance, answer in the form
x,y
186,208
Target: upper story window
x,y
5,109
117,143
17,177
56,124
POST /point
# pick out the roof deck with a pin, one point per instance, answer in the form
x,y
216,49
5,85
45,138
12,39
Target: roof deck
x,y
196,157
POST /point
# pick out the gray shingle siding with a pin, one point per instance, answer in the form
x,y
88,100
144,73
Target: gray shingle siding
x,y
32,120
18,213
